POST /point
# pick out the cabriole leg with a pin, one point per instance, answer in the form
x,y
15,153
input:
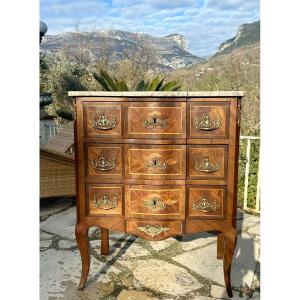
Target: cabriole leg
x,y
104,241
81,232
220,245
230,242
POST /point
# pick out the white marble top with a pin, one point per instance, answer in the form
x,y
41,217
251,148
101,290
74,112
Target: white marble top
x,y
157,94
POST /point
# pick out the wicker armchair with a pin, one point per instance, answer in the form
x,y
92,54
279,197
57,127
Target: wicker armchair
x,y
57,165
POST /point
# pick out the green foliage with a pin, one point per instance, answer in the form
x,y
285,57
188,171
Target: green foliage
x,y
157,85
110,83
66,115
58,75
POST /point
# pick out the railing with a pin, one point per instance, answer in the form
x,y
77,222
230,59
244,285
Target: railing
x,y
256,209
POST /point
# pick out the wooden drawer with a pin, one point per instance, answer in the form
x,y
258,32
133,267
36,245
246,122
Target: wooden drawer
x,y
206,202
104,161
207,162
155,162
104,199
167,202
155,120
102,120
154,230
208,120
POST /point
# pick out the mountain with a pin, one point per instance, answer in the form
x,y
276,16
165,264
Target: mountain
x,y
247,35
243,49
168,53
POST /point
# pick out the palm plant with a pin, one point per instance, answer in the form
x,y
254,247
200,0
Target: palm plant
x,y
110,83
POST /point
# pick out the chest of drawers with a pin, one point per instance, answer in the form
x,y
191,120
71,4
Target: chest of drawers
x,y
156,165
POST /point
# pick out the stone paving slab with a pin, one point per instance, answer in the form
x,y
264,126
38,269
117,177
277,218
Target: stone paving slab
x,y
164,277
204,261
62,224
139,269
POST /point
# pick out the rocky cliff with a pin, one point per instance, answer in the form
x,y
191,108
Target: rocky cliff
x,y
168,53
247,35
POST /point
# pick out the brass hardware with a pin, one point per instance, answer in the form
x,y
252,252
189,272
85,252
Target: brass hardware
x,y
105,203
102,164
155,123
155,163
103,123
205,205
153,230
154,204
207,166
206,123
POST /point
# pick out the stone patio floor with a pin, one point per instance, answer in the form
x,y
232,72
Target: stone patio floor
x,y
141,270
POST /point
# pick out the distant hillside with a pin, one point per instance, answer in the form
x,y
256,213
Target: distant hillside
x,y
168,53
247,34
248,56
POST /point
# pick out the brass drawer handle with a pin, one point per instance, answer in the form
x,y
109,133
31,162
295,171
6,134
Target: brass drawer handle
x,y
155,163
155,123
206,123
102,164
103,123
205,205
207,166
154,204
153,230
104,202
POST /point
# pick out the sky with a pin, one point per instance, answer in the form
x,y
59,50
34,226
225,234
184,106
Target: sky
x,y
205,24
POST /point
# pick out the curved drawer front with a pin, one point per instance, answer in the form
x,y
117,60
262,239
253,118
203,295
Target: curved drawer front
x,y
155,120
154,230
104,200
209,120
155,201
155,162
206,202
104,161
207,162
102,120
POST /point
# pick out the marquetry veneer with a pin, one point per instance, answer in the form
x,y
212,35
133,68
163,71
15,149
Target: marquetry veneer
x,y
156,165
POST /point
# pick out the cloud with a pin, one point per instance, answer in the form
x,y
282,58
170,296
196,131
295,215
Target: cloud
x,y
204,23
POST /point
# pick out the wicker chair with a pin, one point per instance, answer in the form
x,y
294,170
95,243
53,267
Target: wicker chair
x,y
57,165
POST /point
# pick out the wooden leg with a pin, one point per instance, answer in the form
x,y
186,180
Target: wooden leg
x,y
230,242
179,238
104,241
81,232
220,246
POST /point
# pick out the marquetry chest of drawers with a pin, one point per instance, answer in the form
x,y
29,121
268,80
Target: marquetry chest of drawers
x,y
156,165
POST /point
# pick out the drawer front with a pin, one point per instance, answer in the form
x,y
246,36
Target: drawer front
x,y
104,200
155,162
207,162
102,120
154,230
104,161
155,201
155,120
208,120
206,202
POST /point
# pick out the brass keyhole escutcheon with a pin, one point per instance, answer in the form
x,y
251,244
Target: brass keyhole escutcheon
x,y
155,123
154,204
